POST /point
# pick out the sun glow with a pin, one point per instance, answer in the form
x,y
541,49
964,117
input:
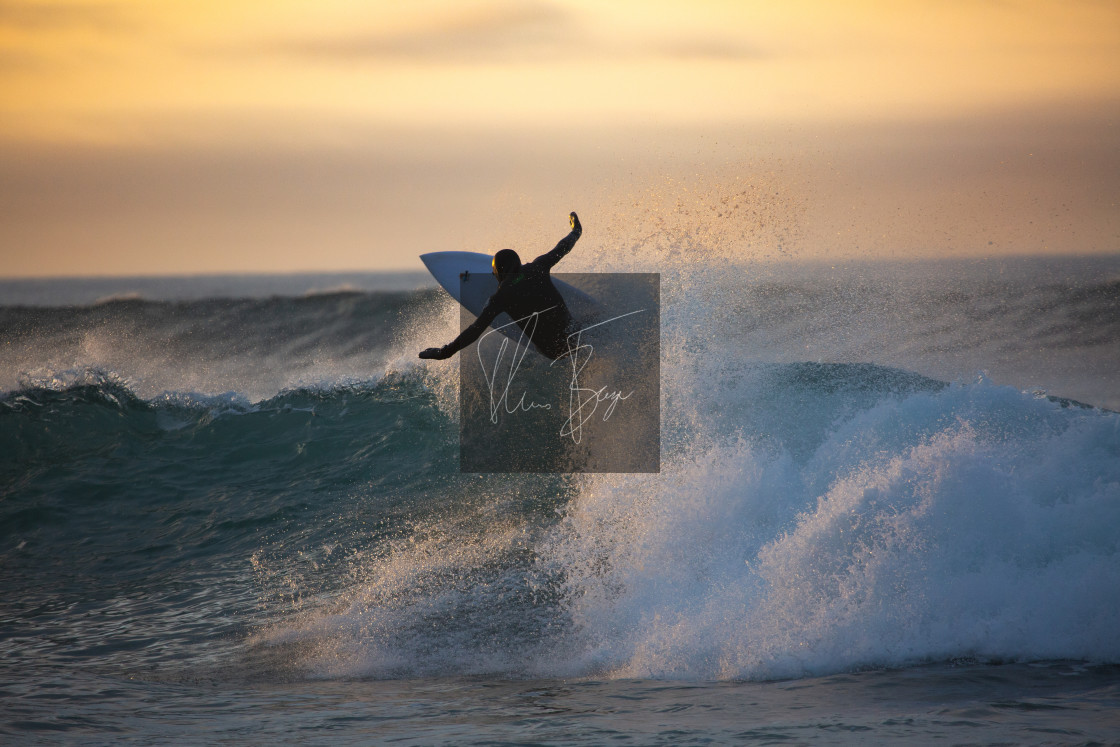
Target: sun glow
x,y
131,66
327,122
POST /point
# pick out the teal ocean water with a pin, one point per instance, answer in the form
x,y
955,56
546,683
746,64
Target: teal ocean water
x,y
888,509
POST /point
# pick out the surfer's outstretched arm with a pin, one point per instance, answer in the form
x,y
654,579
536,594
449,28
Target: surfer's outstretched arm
x,y
565,245
493,307
468,335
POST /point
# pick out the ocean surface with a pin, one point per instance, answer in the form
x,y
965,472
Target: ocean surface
x,y
888,510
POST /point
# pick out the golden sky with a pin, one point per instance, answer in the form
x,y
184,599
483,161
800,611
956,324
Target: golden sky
x,y
141,136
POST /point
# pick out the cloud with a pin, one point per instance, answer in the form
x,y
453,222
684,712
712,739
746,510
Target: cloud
x,y
42,17
506,33
494,33
707,49
26,26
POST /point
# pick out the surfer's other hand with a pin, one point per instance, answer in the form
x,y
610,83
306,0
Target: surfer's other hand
x,y
574,220
436,353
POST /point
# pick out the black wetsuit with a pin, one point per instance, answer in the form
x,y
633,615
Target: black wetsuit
x,y
524,292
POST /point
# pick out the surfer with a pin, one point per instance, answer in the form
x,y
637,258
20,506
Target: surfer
x,y
527,294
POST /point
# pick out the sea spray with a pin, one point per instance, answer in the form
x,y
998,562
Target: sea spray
x,y
962,523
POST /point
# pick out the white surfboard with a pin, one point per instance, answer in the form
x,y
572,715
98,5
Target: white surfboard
x,y
468,278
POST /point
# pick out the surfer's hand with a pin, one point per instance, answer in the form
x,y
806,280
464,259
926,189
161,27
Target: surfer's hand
x,y
574,220
434,353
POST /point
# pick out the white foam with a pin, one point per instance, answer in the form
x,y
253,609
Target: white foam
x,y
975,522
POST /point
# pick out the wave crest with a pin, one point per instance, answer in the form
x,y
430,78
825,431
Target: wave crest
x,y
967,522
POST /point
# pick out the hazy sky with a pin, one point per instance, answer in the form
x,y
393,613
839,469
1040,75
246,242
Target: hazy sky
x,y
185,136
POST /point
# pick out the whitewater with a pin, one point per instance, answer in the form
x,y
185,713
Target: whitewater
x,y
887,510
